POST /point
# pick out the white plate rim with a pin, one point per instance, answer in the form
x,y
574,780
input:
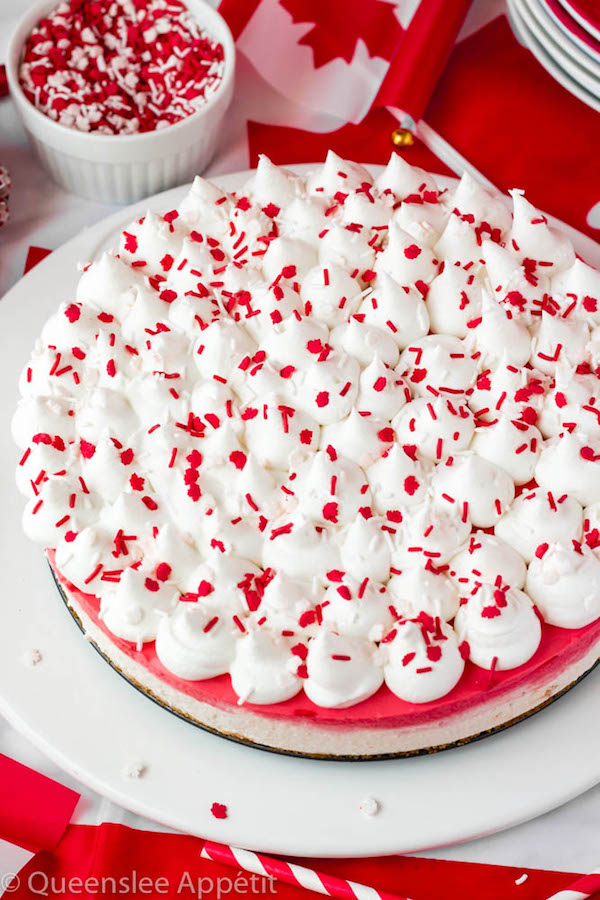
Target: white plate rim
x,y
541,31
591,29
544,59
564,40
570,35
59,708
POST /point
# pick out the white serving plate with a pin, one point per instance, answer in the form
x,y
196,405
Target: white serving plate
x,y
521,19
93,724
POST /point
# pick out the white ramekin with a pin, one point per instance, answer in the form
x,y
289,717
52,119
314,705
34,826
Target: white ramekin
x,y
124,168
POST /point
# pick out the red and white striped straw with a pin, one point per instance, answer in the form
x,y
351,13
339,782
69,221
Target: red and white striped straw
x,y
290,873
584,887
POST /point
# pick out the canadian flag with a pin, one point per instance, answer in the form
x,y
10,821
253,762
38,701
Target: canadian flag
x,y
334,57
319,46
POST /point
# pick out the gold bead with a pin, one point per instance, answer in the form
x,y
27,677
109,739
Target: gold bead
x,y
402,137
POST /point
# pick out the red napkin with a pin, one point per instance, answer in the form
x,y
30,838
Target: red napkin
x,y
174,869
34,256
34,810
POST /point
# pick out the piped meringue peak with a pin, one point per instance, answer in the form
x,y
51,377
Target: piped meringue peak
x,y
325,433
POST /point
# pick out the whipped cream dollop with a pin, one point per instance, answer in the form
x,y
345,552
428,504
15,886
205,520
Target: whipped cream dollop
x,y
196,642
264,669
500,627
356,609
539,517
481,489
423,660
486,559
564,582
570,464
132,607
421,589
326,432
341,671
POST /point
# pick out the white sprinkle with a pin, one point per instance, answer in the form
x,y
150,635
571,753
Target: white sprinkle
x,y
369,807
135,770
32,657
522,879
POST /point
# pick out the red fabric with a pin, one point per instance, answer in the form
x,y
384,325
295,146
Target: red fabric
x,y
115,851
34,256
34,810
498,107
421,55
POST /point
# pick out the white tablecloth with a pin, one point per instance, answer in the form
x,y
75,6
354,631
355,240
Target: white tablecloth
x,y
567,839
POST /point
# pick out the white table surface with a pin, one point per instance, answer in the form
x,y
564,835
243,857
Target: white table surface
x,y
42,214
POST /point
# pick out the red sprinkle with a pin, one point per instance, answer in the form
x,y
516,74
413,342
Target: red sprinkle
x,y
163,571
219,810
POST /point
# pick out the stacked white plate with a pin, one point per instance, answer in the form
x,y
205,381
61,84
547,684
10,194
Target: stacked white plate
x,y
564,36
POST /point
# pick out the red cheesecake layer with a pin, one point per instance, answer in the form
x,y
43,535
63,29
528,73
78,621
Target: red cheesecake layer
x,y
559,649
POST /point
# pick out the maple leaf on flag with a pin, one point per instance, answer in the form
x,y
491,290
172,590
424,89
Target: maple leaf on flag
x,y
337,26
